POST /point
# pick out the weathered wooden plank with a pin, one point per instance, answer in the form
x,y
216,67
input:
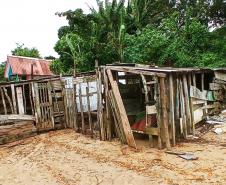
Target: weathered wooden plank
x,y
145,88
20,102
122,111
24,98
64,95
30,98
158,107
75,118
183,120
35,97
100,104
191,105
107,106
50,104
16,131
3,101
187,103
81,109
115,112
13,98
135,71
194,79
15,117
165,122
9,99
89,109
172,118
202,82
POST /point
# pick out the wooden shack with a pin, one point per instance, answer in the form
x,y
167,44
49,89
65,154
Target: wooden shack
x,y
162,102
115,101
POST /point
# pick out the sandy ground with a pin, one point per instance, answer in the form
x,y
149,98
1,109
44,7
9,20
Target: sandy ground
x,y
65,157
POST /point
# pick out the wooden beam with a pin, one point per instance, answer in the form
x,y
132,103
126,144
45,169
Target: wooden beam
x,y
136,71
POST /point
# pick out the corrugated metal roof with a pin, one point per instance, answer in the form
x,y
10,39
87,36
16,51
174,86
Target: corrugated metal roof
x,y
22,66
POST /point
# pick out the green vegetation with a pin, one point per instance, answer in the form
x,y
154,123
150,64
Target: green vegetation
x,y
169,33
2,70
160,32
21,50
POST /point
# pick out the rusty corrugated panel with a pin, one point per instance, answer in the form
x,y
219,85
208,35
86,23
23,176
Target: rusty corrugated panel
x,y
22,66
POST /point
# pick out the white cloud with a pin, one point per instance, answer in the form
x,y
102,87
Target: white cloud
x,y
34,23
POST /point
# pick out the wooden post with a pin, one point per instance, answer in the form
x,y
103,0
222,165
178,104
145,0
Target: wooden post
x,y
24,98
3,101
9,100
107,106
183,120
191,106
75,109
89,109
159,111
100,103
194,79
13,98
50,104
81,109
40,92
171,91
187,102
145,89
64,95
202,82
20,102
30,96
163,97
36,101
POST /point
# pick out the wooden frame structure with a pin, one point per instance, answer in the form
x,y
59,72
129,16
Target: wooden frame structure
x,y
49,103
115,101
170,95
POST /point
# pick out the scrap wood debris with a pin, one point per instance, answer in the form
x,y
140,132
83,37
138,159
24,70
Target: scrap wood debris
x,y
183,155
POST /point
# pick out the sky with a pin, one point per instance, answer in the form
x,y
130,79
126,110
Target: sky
x,y
34,23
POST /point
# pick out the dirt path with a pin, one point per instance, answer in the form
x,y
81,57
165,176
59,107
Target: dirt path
x,y
64,157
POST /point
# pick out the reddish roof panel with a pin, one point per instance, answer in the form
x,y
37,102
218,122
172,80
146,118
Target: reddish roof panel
x,y
22,66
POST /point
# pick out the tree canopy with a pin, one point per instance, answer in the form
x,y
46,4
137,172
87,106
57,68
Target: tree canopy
x,y
160,32
21,50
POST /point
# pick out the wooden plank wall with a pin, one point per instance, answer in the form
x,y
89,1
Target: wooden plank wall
x,y
77,102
